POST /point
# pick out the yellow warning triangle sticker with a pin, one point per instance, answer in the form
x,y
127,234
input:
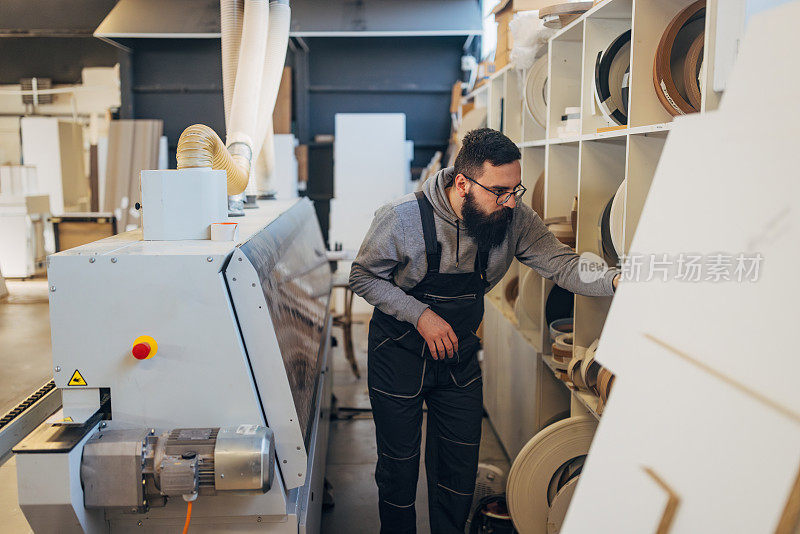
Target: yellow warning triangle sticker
x,y
77,379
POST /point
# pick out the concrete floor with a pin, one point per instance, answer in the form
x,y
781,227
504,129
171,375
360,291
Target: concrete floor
x,y
25,341
352,452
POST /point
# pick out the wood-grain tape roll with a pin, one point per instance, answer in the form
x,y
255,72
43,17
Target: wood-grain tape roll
x,y
605,379
562,348
590,368
565,8
536,91
537,199
558,510
535,465
574,371
691,70
609,71
512,291
665,85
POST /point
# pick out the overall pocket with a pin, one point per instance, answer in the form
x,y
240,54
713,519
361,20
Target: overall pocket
x,y
467,369
394,365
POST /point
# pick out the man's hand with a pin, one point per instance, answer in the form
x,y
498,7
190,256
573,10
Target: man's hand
x,y
441,339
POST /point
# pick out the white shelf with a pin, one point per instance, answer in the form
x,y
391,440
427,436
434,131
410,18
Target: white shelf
x,y
589,165
623,132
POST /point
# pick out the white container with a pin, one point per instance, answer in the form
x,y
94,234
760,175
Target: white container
x,y
178,205
225,231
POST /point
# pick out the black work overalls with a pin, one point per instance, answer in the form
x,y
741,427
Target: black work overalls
x,y
402,373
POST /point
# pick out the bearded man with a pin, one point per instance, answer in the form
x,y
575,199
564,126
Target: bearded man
x,y
425,264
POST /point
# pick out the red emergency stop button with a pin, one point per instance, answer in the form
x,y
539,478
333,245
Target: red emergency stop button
x,y
141,351
144,348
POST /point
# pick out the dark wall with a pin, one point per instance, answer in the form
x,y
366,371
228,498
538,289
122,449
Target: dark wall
x,y
180,82
411,75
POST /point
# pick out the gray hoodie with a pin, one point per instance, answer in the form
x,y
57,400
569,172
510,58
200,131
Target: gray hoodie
x,y
392,258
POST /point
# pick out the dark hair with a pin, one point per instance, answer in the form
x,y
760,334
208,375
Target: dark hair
x,y
484,144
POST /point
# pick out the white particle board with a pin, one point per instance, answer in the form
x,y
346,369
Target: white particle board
x,y
370,170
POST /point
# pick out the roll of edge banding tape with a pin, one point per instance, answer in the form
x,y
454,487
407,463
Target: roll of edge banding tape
x,y
666,89
535,465
691,71
609,73
536,91
590,368
561,502
562,348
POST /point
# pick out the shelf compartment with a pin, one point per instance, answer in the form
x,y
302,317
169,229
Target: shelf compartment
x,y
650,20
561,181
602,28
644,152
602,169
565,65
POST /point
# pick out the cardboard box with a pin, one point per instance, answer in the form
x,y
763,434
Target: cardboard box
x,y
282,114
503,13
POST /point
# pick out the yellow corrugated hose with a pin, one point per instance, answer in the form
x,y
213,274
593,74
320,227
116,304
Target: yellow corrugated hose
x,y
200,146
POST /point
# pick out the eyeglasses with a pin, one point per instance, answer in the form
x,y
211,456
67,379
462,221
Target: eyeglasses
x,y
502,198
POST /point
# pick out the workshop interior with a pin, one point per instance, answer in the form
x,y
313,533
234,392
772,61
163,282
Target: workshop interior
x,y
186,184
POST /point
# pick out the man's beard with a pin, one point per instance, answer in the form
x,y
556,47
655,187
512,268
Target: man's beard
x,y
487,229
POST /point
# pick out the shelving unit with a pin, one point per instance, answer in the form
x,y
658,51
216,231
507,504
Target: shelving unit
x,y
522,384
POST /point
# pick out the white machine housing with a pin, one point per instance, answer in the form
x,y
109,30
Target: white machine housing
x,y
242,336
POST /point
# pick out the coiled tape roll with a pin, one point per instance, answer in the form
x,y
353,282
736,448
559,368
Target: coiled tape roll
x,y
671,55
536,91
609,74
536,464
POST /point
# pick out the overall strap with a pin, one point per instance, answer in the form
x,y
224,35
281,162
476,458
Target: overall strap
x,y
481,264
433,250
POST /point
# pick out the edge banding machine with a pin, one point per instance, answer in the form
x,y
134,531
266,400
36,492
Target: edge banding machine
x,y
192,371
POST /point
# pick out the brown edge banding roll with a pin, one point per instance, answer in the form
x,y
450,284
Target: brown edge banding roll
x,y
690,68
666,91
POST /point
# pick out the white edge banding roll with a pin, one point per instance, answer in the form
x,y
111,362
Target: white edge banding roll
x,y
534,466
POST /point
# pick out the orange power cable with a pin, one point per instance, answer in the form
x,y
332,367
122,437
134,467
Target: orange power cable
x,y
188,517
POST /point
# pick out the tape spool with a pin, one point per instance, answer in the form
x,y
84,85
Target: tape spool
x,y
626,87
574,370
670,56
561,502
536,91
606,243
559,305
512,291
617,218
691,70
535,465
605,379
590,368
562,348
560,326
537,199
609,72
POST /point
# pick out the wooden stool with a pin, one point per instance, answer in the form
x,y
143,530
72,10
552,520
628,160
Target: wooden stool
x,y
345,320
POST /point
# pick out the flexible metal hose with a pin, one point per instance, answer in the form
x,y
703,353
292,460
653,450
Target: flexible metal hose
x,y
200,146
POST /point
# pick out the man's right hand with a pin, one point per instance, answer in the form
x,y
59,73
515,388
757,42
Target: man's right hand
x,y
441,339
